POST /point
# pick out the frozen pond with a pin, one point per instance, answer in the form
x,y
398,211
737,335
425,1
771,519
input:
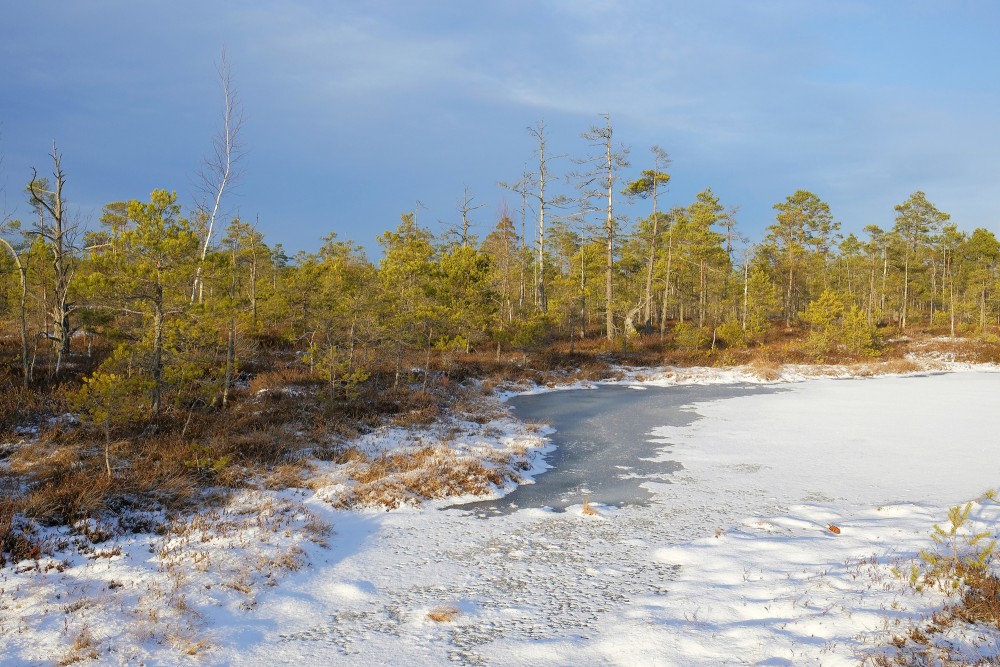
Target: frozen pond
x,y
604,450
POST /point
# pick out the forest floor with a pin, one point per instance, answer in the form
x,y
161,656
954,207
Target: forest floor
x,y
305,560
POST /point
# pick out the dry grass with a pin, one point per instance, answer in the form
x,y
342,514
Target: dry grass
x,y
339,454
82,649
443,613
28,407
189,647
765,368
277,381
587,509
288,475
895,366
424,473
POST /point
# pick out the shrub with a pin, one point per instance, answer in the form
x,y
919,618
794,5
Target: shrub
x,y
731,333
832,324
856,335
961,552
691,338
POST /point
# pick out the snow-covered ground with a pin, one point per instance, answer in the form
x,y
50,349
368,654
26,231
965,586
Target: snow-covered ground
x,y
732,563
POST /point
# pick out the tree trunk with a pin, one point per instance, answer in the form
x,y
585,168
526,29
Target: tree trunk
x,y
610,232
230,360
647,315
791,282
702,293
982,309
231,344
933,287
583,297
350,353
540,296
871,295
885,277
666,281
107,446
746,293
524,249
427,358
23,322
906,291
609,316
399,364
253,285
156,364
22,310
951,301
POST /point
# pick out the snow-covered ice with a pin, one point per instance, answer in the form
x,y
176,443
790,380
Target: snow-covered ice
x,y
732,561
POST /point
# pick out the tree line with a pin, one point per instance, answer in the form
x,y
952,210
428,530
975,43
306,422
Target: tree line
x,y
181,310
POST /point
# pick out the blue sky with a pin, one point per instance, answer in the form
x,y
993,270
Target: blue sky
x,y
357,111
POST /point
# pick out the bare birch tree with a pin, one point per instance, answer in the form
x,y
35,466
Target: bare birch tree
x,y
221,168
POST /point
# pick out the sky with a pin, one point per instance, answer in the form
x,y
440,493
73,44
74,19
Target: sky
x,y
358,112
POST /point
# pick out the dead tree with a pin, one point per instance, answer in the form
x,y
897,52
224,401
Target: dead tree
x,y
465,207
59,236
545,202
520,186
600,182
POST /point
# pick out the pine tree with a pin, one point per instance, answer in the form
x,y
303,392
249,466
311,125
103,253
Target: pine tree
x,y
803,220
145,275
916,219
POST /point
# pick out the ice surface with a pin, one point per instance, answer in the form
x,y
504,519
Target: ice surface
x,y
604,450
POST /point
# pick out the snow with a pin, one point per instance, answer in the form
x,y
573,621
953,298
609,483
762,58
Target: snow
x,y
732,563
864,441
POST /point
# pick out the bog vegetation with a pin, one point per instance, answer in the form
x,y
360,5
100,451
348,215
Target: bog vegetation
x,y
161,352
